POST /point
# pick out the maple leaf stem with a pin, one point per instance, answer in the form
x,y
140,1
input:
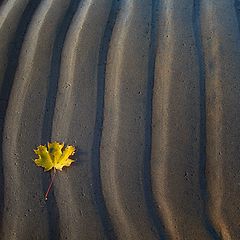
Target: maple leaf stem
x,y
50,185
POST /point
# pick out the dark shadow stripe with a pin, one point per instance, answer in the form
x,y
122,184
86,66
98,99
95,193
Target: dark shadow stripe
x,y
203,135
97,183
51,204
237,10
14,50
157,222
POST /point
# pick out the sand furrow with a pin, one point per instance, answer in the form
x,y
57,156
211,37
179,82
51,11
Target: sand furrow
x,y
74,123
96,176
202,116
153,212
24,203
61,32
176,126
122,152
222,56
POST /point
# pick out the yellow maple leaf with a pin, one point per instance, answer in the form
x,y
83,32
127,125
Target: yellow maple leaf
x,y
53,156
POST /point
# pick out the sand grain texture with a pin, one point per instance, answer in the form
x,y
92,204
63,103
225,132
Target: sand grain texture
x,y
148,92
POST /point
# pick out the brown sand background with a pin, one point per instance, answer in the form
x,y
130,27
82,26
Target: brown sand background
x,y
149,93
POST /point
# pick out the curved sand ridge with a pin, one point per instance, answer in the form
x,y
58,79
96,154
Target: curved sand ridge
x,y
148,92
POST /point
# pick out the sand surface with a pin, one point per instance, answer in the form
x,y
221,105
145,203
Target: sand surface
x,y
149,94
